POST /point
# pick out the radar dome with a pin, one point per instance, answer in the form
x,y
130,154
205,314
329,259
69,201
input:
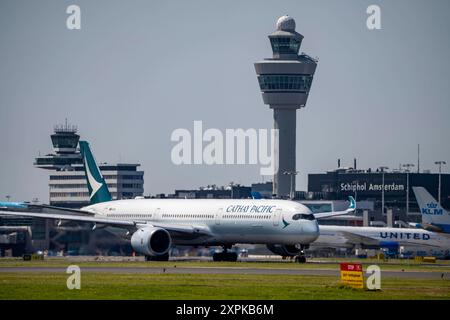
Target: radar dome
x,y
286,23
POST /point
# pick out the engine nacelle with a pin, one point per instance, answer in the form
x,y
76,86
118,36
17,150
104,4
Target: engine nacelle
x,y
151,241
284,250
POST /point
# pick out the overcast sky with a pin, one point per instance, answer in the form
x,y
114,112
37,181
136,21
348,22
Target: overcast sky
x,y
137,70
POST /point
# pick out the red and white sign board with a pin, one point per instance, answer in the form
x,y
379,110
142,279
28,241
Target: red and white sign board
x,y
352,275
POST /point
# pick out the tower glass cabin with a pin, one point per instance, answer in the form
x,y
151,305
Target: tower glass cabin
x,y
65,141
285,81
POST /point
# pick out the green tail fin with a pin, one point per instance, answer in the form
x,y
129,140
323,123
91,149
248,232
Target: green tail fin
x,y
98,190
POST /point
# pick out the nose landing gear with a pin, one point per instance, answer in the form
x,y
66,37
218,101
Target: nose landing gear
x,y
300,258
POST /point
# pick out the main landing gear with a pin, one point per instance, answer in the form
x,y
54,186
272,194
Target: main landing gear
x,y
164,257
300,259
225,255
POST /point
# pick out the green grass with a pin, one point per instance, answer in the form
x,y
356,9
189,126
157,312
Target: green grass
x,y
100,285
202,286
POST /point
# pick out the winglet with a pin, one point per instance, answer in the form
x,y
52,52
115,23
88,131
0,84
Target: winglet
x,y
351,208
352,205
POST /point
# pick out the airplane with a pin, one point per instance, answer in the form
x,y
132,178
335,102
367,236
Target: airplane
x,y
379,237
153,225
13,205
434,217
432,233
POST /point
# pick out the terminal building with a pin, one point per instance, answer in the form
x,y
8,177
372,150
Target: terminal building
x,y
367,185
69,189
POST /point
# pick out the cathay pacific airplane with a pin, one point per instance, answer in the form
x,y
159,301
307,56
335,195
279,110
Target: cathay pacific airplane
x,y
434,217
153,225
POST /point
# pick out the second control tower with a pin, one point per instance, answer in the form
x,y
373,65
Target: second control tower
x,y
285,80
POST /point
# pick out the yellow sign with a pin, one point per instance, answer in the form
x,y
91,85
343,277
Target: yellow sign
x,y
352,275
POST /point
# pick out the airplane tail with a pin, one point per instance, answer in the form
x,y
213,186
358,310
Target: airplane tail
x,y
98,190
432,212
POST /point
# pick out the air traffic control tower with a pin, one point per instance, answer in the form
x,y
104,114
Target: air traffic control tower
x,y
285,80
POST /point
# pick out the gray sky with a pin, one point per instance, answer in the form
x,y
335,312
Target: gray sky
x,y
137,70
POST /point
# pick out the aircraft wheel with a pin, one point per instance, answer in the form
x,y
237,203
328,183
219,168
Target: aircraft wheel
x,y
164,257
218,256
300,259
225,256
232,257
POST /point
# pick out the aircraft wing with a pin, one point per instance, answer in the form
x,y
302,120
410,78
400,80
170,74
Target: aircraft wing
x,y
351,208
26,205
68,210
70,217
359,239
126,224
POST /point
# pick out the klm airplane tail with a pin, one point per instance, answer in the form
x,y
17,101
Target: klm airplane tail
x,y
98,190
434,217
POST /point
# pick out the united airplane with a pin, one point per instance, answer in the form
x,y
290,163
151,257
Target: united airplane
x,y
154,225
380,237
432,233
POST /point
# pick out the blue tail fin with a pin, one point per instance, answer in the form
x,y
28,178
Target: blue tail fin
x,y
98,190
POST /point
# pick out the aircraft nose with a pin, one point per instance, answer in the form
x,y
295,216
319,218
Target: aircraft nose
x,y
311,230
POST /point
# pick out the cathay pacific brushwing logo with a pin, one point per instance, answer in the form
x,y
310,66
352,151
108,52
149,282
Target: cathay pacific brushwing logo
x,y
95,185
285,223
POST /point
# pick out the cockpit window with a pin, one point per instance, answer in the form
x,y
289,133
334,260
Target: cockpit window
x,y
303,216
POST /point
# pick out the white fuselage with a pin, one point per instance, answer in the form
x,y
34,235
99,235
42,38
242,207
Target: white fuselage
x,y
343,236
227,221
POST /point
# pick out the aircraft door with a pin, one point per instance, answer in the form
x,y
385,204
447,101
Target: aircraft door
x,y
157,214
218,216
276,217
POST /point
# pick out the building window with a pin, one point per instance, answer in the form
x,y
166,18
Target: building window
x,y
284,82
285,45
131,177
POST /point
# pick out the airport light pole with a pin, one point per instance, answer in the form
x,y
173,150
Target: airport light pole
x,y
439,163
407,166
292,174
382,188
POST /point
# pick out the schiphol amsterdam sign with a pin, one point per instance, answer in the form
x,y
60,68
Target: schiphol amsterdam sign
x,y
374,187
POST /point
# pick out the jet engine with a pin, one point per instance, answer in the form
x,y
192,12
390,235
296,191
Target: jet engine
x,y
285,250
151,241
